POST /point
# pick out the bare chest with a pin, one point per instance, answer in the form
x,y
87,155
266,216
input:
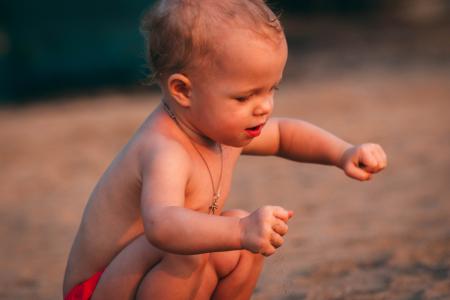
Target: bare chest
x,y
207,187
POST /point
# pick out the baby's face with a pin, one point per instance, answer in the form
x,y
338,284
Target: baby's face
x,y
233,99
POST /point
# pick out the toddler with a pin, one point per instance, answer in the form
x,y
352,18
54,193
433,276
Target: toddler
x,y
154,226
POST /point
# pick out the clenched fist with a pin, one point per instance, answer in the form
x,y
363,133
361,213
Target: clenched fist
x,y
262,231
361,161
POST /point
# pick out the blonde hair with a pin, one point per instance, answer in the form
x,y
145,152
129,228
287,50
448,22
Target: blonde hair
x,y
179,32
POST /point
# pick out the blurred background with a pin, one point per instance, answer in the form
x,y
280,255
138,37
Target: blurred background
x,y
49,47
71,95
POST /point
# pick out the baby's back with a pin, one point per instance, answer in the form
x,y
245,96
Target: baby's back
x,y
112,216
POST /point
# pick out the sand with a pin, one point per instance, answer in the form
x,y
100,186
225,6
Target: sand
x,y
384,239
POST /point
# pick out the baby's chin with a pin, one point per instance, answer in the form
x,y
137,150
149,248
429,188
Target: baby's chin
x,y
237,143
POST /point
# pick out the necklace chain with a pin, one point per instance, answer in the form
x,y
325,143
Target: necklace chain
x,y
216,190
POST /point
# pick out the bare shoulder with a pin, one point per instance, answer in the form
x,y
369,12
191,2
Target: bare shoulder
x,y
164,163
159,149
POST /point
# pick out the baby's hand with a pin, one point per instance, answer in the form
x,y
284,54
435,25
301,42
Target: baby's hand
x,y
262,231
361,161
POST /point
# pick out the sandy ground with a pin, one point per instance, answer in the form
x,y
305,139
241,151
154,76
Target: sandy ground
x,y
384,239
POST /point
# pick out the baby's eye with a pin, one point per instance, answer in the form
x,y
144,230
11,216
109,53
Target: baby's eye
x,y
275,88
242,98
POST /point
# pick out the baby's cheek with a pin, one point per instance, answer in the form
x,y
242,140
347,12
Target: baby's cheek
x,y
231,127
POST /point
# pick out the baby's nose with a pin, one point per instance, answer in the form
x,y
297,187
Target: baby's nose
x,y
264,107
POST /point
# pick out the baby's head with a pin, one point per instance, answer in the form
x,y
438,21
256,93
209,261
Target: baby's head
x,y
203,53
183,35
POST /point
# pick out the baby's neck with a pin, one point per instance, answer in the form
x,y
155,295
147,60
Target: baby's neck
x,y
190,131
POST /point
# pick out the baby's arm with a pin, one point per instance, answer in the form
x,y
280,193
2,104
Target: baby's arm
x,y
176,229
301,141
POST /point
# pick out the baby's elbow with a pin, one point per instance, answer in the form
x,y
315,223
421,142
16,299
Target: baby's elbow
x,y
154,230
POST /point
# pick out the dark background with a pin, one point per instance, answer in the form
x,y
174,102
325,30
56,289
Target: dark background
x,y
52,47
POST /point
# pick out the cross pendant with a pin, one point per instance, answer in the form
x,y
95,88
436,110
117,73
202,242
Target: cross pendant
x,y
214,206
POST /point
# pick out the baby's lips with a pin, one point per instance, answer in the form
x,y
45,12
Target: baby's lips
x,y
254,131
259,126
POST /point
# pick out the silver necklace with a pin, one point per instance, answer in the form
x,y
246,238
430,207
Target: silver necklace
x,y
216,190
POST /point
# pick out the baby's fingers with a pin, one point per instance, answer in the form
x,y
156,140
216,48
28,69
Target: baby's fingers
x,y
373,158
269,251
282,213
357,172
379,164
368,161
276,240
381,157
280,227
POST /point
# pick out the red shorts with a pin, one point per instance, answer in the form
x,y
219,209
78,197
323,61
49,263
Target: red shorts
x,y
84,290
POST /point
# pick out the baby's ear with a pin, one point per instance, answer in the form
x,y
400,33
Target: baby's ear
x,y
179,87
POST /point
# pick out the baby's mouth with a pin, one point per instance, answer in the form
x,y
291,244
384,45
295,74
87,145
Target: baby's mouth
x,y
254,128
254,131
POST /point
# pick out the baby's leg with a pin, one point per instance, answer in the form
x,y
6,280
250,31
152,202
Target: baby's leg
x,y
179,277
238,271
163,275
146,272
219,275
122,276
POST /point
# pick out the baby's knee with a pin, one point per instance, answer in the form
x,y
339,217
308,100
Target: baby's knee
x,y
240,213
249,265
238,261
